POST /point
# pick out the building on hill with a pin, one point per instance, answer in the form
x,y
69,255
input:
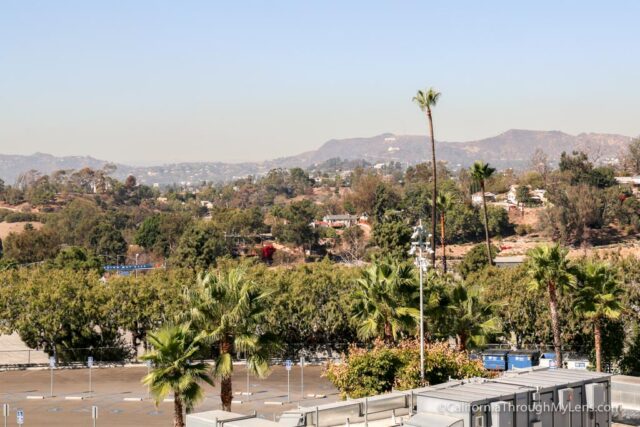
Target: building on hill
x,y
340,221
537,196
633,181
476,199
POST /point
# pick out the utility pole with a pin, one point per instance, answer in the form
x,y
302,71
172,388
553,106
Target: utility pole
x,y
420,245
302,377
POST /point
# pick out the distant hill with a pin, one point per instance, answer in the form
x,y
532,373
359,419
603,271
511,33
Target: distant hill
x,y
513,148
11,166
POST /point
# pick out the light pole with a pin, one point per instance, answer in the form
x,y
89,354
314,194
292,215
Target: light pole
x,y
419,246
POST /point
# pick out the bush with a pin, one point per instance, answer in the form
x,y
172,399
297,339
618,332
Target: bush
x,y
476,259
365,372
630,364
21,217
523,229
499,224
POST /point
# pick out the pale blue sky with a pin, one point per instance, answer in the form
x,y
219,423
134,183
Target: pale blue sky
x,y
162,81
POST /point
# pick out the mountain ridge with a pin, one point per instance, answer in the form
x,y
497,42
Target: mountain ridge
x,y
512,148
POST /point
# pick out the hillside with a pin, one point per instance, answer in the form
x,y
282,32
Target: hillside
x,y
509,149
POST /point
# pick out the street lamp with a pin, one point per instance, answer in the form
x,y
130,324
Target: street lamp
x,y
420,246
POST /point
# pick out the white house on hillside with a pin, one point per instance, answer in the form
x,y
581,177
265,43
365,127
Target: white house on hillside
x,y
476,199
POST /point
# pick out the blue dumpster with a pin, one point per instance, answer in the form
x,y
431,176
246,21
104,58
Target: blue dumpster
x,y
522,359
495,360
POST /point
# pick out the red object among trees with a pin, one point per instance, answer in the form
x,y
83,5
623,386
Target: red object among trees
x,y
267,253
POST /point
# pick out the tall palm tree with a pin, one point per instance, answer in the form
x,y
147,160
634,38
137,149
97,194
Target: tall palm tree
x,y
598,298
549,270
385,304
174,371
469,318
480,172
227,310
444,203
426,100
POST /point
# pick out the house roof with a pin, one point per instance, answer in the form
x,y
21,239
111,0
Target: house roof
x,y
340,218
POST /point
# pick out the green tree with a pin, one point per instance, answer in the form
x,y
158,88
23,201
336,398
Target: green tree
x,y
74,223
310,304
549,269
200,246
227,311
296,227
464,225
632,157
630,363
77,258
385,200
499,224
384,304
475,260
598,299
31,245
480,172
60,311
149,232
523,195
577,169
471,320
174,370
523,315
42,191
573,212
144,303
445,202
107,241
426,100
393,237
367,371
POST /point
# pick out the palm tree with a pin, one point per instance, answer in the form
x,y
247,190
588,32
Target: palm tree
x,y
549,270
174,371
385,303
426,100
480,172
598,298
469,318
444,203
227,310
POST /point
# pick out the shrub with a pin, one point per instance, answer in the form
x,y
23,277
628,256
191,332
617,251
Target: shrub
x,y
499,224
20,217
365,372
523,229
476,259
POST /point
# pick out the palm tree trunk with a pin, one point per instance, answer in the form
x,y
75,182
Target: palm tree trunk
x,y
597,332
462,342
443,243
226,385
486,223
178,416
388,333
226,392
555,325
435,189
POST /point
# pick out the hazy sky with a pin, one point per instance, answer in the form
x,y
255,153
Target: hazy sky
x,y
164,81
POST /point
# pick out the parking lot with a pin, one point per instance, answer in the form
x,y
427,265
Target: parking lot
x,y
111,386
